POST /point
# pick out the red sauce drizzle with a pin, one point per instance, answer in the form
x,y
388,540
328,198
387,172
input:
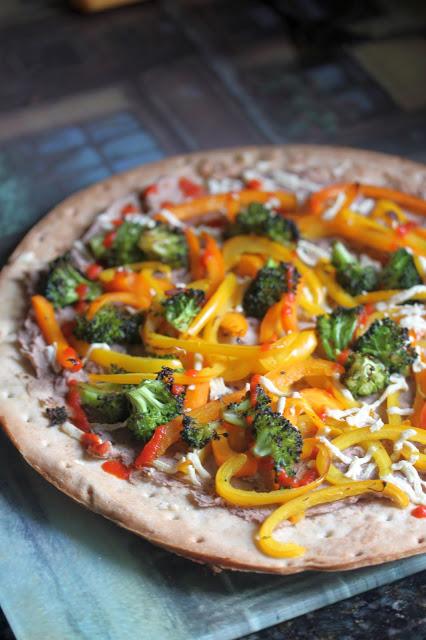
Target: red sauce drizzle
x,y
419,512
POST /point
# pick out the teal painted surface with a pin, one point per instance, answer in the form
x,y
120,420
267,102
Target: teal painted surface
x,y
68,573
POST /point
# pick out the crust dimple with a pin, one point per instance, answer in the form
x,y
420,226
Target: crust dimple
x,y
356,535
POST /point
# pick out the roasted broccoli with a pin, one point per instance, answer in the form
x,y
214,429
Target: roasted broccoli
x,y
277,437
238,412
63,284
350,273
153,404
56,415
389,343
261,221
111,324
105,403
270,283
336,329
400,272
197,434
164,243
181,308
123,247
365,374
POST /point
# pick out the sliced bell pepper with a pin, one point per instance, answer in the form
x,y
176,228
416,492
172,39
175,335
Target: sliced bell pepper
x,y
123,297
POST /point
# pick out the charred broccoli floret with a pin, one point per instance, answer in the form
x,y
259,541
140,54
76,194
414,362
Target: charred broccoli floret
x,y
337,329
181,308
278,438
123,247
350,273
105,403
62,284
389,343
365,375
237,412
270,283
259,220
164,243
153,404
196,434
56,415
111,324
400,272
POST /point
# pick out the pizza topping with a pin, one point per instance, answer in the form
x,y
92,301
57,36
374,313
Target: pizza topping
x,y
195,314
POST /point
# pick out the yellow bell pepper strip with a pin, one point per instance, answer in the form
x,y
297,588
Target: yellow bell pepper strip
x,y
271,547
222,452
214,305
231,202
320,199
197,395
108,274
309,367
326,274
204,375
123,297
287,352
212,259
234,324
384,296
133,364
387,211
234,248
249,264
194,254
44,313
353,437
394,419
237,369
244,498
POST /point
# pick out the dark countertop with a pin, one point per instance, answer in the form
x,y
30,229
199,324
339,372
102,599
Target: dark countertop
x,y
89,96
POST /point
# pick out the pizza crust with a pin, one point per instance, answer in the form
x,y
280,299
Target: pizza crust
x,y
354,536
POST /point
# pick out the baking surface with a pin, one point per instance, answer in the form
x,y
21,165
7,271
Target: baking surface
x,y
97,96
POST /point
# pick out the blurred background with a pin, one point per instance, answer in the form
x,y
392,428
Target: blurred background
x,y
87,94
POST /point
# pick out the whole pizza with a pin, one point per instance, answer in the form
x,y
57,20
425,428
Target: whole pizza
x,y
226,354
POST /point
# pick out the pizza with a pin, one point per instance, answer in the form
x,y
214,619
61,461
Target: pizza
x,y
226,354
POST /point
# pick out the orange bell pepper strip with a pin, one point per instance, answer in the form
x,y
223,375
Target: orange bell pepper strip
x,y
269,325
212,260
289,313
197,395
319,199
124,297
249,264
225,202
44,312
309,367
234,324
222,452
412,203
194,250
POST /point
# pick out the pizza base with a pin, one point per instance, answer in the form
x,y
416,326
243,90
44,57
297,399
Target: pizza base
x,y
356,535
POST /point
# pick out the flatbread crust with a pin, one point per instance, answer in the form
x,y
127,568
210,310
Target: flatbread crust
x,y
354,536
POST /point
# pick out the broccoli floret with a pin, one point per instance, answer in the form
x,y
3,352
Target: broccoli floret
x,y
336,329
270,283
56,415
153,403
365,375
164,243
111,324
400,271
196,434
124,247
181,308
105,403
61,283
238,412
350,273
277,437
389,343
257,219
